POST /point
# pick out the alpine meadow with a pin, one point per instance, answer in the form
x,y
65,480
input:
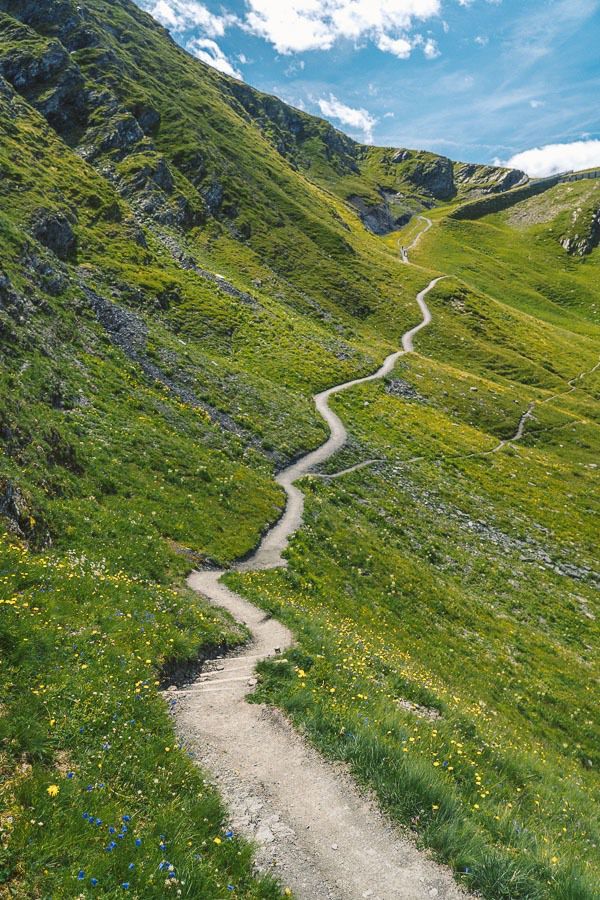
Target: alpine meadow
x,y
299,504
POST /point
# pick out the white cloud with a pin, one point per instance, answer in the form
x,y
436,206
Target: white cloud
x,y
431,49
210,52
554,158
294,26
356,119
181,15
400,47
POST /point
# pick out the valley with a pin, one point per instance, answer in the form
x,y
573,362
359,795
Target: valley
x,y
188,267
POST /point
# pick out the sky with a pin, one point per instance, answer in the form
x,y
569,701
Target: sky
x,y
510,81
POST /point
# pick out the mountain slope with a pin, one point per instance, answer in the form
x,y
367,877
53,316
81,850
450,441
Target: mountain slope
x,y
183,266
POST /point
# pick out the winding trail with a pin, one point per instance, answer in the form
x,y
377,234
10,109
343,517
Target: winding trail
x,y
314,828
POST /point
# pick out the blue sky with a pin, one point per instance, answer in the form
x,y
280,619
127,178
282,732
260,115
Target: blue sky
x,y
477,80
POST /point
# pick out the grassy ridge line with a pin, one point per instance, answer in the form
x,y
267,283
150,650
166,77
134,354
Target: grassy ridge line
x,y
476,209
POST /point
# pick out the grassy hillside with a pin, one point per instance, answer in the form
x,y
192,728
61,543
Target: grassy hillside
x,y
183,266
449,655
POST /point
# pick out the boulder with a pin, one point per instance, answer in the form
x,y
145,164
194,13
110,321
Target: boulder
x,y
54,231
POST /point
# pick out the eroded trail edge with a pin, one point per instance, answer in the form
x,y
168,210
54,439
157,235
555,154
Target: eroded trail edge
x,y
315,830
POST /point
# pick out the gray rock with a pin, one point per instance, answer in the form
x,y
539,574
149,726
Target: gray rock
x,y
381,218
399,388
50,81
433,175
54,231
213,196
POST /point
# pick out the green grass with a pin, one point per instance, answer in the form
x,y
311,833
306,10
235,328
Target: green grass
x,y
93,784
463,612
434,582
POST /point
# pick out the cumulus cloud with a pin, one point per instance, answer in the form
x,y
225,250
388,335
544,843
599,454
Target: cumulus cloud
x,y
431,49
210,52
554,158
356,119
400,47
294,26
181,15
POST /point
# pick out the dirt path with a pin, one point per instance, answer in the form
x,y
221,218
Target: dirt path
x,y
314,828
404,251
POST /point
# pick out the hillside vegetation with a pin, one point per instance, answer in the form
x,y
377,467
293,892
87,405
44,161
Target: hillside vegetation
x,y
185,262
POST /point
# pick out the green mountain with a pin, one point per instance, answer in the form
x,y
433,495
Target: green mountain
x,y
185,262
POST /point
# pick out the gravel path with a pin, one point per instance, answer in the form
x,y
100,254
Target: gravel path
x,y
314,828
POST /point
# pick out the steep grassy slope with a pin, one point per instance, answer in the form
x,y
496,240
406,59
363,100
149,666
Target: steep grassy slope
x,y
175,283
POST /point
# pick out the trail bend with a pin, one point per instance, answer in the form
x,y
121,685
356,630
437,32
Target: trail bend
x,y
314,828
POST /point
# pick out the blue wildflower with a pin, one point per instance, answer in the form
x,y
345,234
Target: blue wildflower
x,y
70,775
230,887
86,815
111,830
125,885
80,875
229,834
93,882
131,866
127,818
138,842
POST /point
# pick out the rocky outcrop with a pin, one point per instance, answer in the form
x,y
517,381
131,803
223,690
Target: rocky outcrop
x,y
584,233
432,175
482,180
55,232
50,81
380,218
14,508
397,387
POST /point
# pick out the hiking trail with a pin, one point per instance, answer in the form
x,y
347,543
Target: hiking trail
x,y
315,830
